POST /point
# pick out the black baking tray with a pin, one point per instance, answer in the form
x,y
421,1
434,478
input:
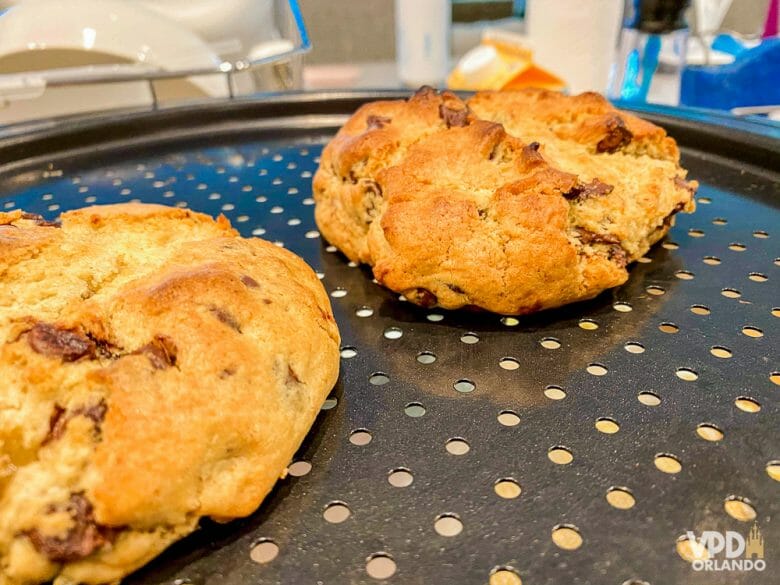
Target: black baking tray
x,y
711,286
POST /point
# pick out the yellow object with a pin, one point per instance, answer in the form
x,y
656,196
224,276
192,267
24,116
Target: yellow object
x,y
500,61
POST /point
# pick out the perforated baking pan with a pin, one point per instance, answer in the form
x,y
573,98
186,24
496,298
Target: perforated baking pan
x,y
459,444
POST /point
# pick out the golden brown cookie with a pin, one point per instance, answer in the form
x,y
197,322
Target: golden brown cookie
x,y
155,368
512,202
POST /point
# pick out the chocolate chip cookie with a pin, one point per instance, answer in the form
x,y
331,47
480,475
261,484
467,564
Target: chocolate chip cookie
x,y
155,369
510,201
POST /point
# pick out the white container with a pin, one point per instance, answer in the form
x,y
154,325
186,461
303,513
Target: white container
x,y
575,39
422,40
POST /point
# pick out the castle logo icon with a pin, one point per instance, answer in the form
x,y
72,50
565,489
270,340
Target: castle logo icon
x,y
754,544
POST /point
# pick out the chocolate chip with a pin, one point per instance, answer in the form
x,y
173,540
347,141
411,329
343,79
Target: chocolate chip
x,y
227,372
456,289
377,122
453,117
683,184
372,192
615,252
667,221
227,318
422,297
582,191
59,419
53,341
424,91
82,539
249,281
39,220
618,136
161,352
531,153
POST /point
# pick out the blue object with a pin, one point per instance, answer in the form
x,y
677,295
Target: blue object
x,y
728,44
753,79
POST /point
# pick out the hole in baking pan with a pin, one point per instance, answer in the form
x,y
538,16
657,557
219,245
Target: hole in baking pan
x,y
622,307
670,245
685,274
747,404
90,199
457,446
740,508
393,333
360,437
277,181
607,425
691,549
773,469
737,247
709,432
507,488
299,468
634,347
667,463
469,338
711,260
551,342
719,221
379,378
776,311
352,264
649,398
504,575
242,219
509,363
400,477
364,311
264,551
448,525
215,196
588,324
560,455
508,418
686,374
730,293
312,234
774,377
620,497
414,410
380,565
434,317
696,233
330,403
348,352
554,392
644,260
292,191
331,249
228,207
635,582
246,188
258,231
700,310
667,327
464,386
655,290
336,512
308,201
761,234
758,277
567,537
721,352
338,293
426,357
597,369
751,331
510,321
53,207
261,199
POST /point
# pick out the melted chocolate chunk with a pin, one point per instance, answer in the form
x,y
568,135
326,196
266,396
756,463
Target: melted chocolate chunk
x,y
425,90
667,221
249,281
453,117
83,538
582,191
683,184
456,289
618,136
59,419
53,341
161,352
422,297
227,372
372,193
615,252
531,153
377,122
39,220
227,318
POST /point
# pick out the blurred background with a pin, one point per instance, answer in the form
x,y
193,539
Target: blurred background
x,y
77,56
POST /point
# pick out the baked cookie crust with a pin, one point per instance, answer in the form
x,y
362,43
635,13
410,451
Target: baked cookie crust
x,y
511,202
155,368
